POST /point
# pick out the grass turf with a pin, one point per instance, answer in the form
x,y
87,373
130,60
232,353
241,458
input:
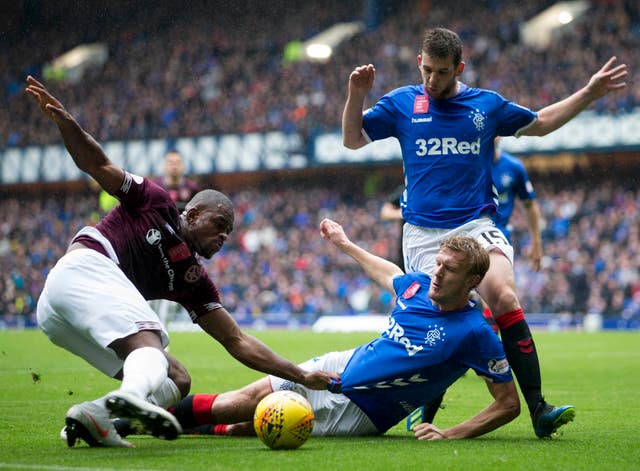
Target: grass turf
x,y
597,372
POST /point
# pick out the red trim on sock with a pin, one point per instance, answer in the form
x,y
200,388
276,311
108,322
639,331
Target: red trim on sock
x,y
220,429
202,408
526,346
509,318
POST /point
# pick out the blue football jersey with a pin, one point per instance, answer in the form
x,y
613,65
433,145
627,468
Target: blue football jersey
x,y
447,149
422,352
511,181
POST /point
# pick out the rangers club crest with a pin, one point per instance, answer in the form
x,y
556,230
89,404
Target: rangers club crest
x,y
435,334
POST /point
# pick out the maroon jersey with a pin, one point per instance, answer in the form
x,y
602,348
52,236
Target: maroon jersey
x,y
180,194
144,232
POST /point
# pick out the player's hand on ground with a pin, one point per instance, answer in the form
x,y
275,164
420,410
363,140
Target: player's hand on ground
x,y
426,431
610,77
361,79
332,231
49,104
319,380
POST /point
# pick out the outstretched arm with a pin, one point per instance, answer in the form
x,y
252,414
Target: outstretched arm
x,y
552,117
504,408
377,268
255,354
533,221
360,83
85,151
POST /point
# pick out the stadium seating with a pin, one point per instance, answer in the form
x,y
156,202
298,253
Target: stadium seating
x,y
276,268
205,70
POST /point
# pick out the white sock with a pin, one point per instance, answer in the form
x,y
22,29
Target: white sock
x,y
166,395
144,371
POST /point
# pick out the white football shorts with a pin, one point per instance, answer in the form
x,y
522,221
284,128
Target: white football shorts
x,y
335,414
420,245
87,303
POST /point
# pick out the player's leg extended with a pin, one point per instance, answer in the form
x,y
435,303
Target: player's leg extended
x,y
231,407
145,371
498,291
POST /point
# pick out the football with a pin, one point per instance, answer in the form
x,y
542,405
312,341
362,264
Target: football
x,y
283,420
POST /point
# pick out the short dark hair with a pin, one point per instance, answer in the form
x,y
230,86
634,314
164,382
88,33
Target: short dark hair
x,y
442,43
476,255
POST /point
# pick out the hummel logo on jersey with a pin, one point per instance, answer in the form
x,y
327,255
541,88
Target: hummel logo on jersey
x,y
400,382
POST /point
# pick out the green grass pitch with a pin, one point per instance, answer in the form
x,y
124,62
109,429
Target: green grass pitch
x,y
597,372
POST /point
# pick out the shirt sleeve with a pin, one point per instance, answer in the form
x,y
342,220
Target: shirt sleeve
x,y
524,188
513,118
137,191
379,121
489,359
203,298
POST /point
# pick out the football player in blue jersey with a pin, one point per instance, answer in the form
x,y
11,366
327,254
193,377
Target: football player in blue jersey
x,y
446,132
433,337
512,182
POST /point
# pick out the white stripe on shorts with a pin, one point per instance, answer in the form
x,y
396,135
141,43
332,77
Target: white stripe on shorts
x,y
87,303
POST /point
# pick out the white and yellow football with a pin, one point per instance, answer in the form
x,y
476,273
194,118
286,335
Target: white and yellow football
x,y
283,420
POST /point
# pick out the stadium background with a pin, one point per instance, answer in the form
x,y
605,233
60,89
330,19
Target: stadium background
x,y
220,82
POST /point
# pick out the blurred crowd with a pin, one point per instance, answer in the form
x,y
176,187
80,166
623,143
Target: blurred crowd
x,y
218,67
277,268
214,67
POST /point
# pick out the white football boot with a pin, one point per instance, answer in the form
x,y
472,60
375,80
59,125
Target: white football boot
x,y
154,420
92,424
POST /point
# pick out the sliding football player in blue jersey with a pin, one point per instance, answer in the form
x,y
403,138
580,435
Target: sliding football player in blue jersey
x,y
446,131
433,337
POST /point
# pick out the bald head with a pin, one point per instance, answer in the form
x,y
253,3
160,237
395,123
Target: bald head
x,y
207,221
209,199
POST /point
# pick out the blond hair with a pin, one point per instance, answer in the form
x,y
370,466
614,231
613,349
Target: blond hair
x,y
476,256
